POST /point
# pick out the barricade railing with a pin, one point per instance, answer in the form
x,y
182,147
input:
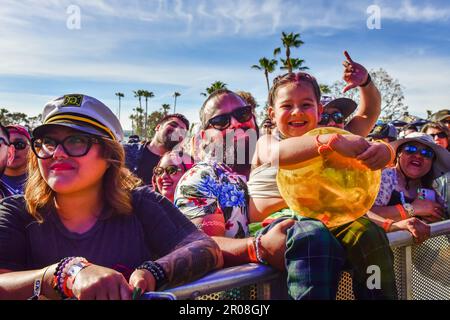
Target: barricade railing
x,y
422,272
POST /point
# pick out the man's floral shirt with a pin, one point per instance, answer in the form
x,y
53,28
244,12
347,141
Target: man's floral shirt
x,y
213,188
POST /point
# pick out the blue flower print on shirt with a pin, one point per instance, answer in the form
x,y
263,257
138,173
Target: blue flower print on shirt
x,y
231,196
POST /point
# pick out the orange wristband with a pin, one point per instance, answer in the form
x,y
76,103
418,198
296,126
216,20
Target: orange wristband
x,y
402,211
251,250
387,225
391,150
322,148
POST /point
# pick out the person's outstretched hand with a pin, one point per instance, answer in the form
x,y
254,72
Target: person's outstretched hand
x,y
354,73
418,229
376,157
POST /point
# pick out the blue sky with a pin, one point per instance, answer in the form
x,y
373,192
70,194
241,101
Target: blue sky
x,y
183,45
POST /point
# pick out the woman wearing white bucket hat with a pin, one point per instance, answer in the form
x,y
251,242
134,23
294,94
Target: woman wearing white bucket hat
x,y
407,200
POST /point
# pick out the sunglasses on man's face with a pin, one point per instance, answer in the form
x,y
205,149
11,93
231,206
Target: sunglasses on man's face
x,y
223,121
73,146
337,117
440,135
170,170
19,145
424,152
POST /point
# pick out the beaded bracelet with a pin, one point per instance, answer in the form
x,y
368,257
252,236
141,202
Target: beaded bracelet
x,y
157,271
73,268
66,270
258,248
58,277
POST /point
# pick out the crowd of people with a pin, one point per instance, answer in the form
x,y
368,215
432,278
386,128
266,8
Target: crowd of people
x,y
86,215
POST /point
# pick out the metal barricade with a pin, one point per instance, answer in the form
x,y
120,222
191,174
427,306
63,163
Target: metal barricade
x,y
421,271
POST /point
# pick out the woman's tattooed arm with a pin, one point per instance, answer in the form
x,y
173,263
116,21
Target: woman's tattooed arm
x,y
194,257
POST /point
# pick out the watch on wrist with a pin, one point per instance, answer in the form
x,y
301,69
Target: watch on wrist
x,y
409,209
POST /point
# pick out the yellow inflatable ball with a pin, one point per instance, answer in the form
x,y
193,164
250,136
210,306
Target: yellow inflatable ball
x,y
333,189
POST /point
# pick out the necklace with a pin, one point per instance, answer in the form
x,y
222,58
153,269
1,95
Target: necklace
x,y
13,191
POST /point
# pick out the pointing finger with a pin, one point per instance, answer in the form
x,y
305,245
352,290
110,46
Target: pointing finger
x,y
347,56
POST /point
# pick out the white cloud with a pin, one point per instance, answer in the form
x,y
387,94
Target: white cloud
x,y
409,12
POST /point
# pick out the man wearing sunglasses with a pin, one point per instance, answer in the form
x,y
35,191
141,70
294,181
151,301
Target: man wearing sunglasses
x,y
6,158
214,195
336,111
142,158
217,184
15,174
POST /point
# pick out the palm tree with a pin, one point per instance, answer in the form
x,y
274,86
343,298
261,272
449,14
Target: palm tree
x,y
268,66
120,95
175,95
146,94
137,121
293,64
324,88
216,85
290,40
138,94
166,107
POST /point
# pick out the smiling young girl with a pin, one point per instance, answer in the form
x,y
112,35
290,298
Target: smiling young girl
x,y
315,255
84,229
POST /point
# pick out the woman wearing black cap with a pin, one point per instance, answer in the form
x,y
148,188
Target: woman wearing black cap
x,y
84,229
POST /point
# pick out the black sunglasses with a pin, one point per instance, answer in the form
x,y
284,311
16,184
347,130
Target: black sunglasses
x,y
337,117
424,152
223,121
74,146
3,142
170,170
440,135
19,145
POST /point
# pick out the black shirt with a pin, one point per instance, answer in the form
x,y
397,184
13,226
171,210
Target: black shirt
x,y
148,161
120,242
141,161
